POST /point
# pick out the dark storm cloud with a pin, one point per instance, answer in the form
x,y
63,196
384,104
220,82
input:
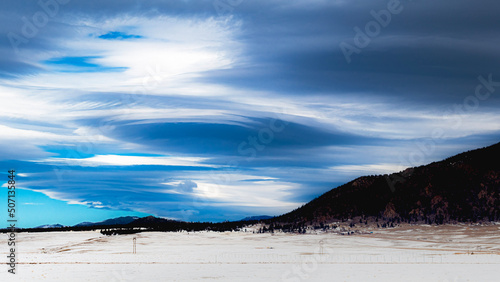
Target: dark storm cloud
x,y
293,46
227,139
431,49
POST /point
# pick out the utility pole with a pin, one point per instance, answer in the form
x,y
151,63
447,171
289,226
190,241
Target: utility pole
x,y
134,248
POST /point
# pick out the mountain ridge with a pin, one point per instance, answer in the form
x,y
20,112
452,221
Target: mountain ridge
x,y
45,226
111,221
461,188
256,217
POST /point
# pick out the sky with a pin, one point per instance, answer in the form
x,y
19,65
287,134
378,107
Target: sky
x,y
222,109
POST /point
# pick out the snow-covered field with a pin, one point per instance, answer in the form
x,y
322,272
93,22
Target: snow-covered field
x,y
409,253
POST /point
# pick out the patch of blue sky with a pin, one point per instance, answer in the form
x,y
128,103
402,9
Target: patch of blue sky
x,y
80,64
67,152
118,35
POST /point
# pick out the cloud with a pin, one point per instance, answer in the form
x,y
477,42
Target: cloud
x,y
180,187
117,160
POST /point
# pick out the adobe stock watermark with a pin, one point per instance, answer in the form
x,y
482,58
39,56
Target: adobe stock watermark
x,y
265,136
11,222
483,91
121,276
31,26
224,7
308,265
363,37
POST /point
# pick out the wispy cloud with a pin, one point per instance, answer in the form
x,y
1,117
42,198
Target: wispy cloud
x,y
117,160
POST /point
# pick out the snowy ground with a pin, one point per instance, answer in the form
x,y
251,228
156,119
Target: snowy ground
x,y
410,253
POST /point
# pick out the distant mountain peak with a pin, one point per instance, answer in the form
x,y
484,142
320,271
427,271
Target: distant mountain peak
x,y
50,226
112,221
